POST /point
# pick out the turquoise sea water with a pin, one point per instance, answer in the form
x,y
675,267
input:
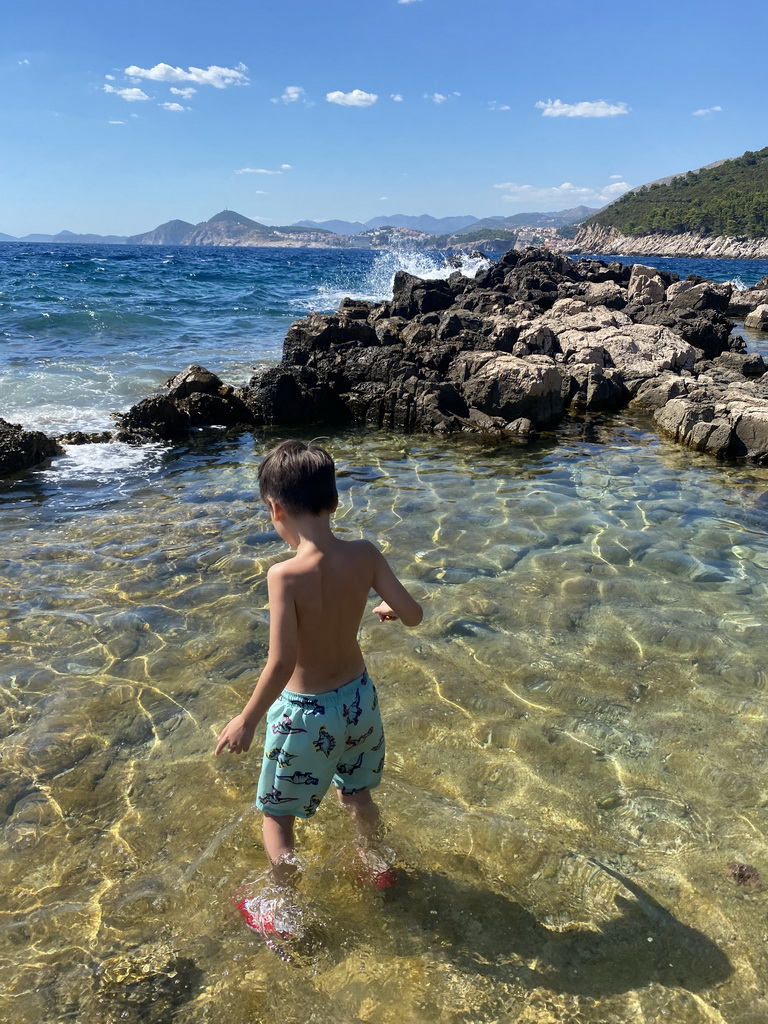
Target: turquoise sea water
x,y
576,734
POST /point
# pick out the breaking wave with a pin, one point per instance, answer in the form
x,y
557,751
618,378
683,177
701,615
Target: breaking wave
x,y
377,283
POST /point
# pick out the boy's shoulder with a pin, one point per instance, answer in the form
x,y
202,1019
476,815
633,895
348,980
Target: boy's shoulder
x,y
293,569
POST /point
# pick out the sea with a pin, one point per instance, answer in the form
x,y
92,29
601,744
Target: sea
x,y
576,792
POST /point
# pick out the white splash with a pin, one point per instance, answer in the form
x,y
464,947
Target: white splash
x,y
378,283
109,463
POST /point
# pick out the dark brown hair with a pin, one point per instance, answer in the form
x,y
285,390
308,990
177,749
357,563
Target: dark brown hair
x,y
299,476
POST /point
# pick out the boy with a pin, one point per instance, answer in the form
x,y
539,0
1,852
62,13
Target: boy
x,y
323,722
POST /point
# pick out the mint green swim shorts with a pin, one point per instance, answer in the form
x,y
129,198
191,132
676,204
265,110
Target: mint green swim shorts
x,y
314,740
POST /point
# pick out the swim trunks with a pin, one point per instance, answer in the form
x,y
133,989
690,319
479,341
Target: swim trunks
x,y
314,740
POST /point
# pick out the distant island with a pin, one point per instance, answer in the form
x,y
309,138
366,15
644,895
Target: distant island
x,y
720,210
459,234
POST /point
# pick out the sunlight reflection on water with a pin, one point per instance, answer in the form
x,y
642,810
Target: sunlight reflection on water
x,y
576,738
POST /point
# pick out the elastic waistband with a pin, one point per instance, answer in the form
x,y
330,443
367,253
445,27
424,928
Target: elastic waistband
x,y
329,699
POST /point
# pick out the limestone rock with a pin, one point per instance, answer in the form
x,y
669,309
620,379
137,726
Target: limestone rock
x,y
595,239
700,296
743,302
503,385
606,293
587,387
758,318
646,286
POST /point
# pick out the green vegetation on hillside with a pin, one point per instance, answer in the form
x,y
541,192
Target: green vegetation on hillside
x,y
474,237
730,199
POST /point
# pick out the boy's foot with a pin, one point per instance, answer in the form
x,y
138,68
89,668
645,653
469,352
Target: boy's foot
x,y
272,918
375,867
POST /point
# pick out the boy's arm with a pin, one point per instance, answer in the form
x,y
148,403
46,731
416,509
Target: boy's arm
x,y
397,603
237,735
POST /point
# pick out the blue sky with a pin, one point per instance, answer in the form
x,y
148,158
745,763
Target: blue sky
x,y
120,116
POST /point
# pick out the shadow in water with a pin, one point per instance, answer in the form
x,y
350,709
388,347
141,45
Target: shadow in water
x,y
482,931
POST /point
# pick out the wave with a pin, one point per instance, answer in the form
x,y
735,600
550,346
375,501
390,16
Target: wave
x,y
377,283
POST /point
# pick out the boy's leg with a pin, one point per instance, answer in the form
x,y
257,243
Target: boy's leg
x,y
273,913
376,860
277,831
363,811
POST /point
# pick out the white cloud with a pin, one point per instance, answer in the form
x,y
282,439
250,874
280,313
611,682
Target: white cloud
x,y
186,94
110,78
131,95
356,98
260,192
256,170
383,199
409,1
214,75
618,188
493,105
285,167
438,97
24,61
565,193
176,108
117,122
396,97
616,177
595,108
706,110
293,94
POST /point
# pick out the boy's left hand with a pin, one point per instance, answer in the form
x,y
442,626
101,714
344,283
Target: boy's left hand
x,y
384,612
237,735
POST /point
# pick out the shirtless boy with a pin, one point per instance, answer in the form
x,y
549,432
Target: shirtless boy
x,y
323,721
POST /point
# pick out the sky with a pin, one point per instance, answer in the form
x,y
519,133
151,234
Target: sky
x,y
117,117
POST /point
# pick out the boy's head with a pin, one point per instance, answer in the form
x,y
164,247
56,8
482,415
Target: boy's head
x,y
299,476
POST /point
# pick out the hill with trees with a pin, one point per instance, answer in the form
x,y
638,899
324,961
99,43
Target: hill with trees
x,y
727,199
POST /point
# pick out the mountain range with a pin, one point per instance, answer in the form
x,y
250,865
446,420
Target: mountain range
x,y
231,228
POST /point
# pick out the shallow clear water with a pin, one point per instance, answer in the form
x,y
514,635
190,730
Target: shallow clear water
x,y
576,737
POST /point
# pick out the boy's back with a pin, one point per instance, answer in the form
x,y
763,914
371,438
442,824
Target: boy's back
x,y
328,587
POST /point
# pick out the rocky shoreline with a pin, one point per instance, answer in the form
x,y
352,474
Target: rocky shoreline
x,y
602,241
510,352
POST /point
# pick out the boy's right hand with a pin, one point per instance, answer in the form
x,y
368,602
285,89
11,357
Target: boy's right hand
x,y
237,735
384,612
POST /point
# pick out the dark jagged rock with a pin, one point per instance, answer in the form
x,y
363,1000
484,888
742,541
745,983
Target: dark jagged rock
x,y
196,398
292,394
412,295
509,351
20,449
80,437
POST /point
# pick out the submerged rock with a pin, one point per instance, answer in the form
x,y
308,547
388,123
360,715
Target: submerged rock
x,y
744,874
